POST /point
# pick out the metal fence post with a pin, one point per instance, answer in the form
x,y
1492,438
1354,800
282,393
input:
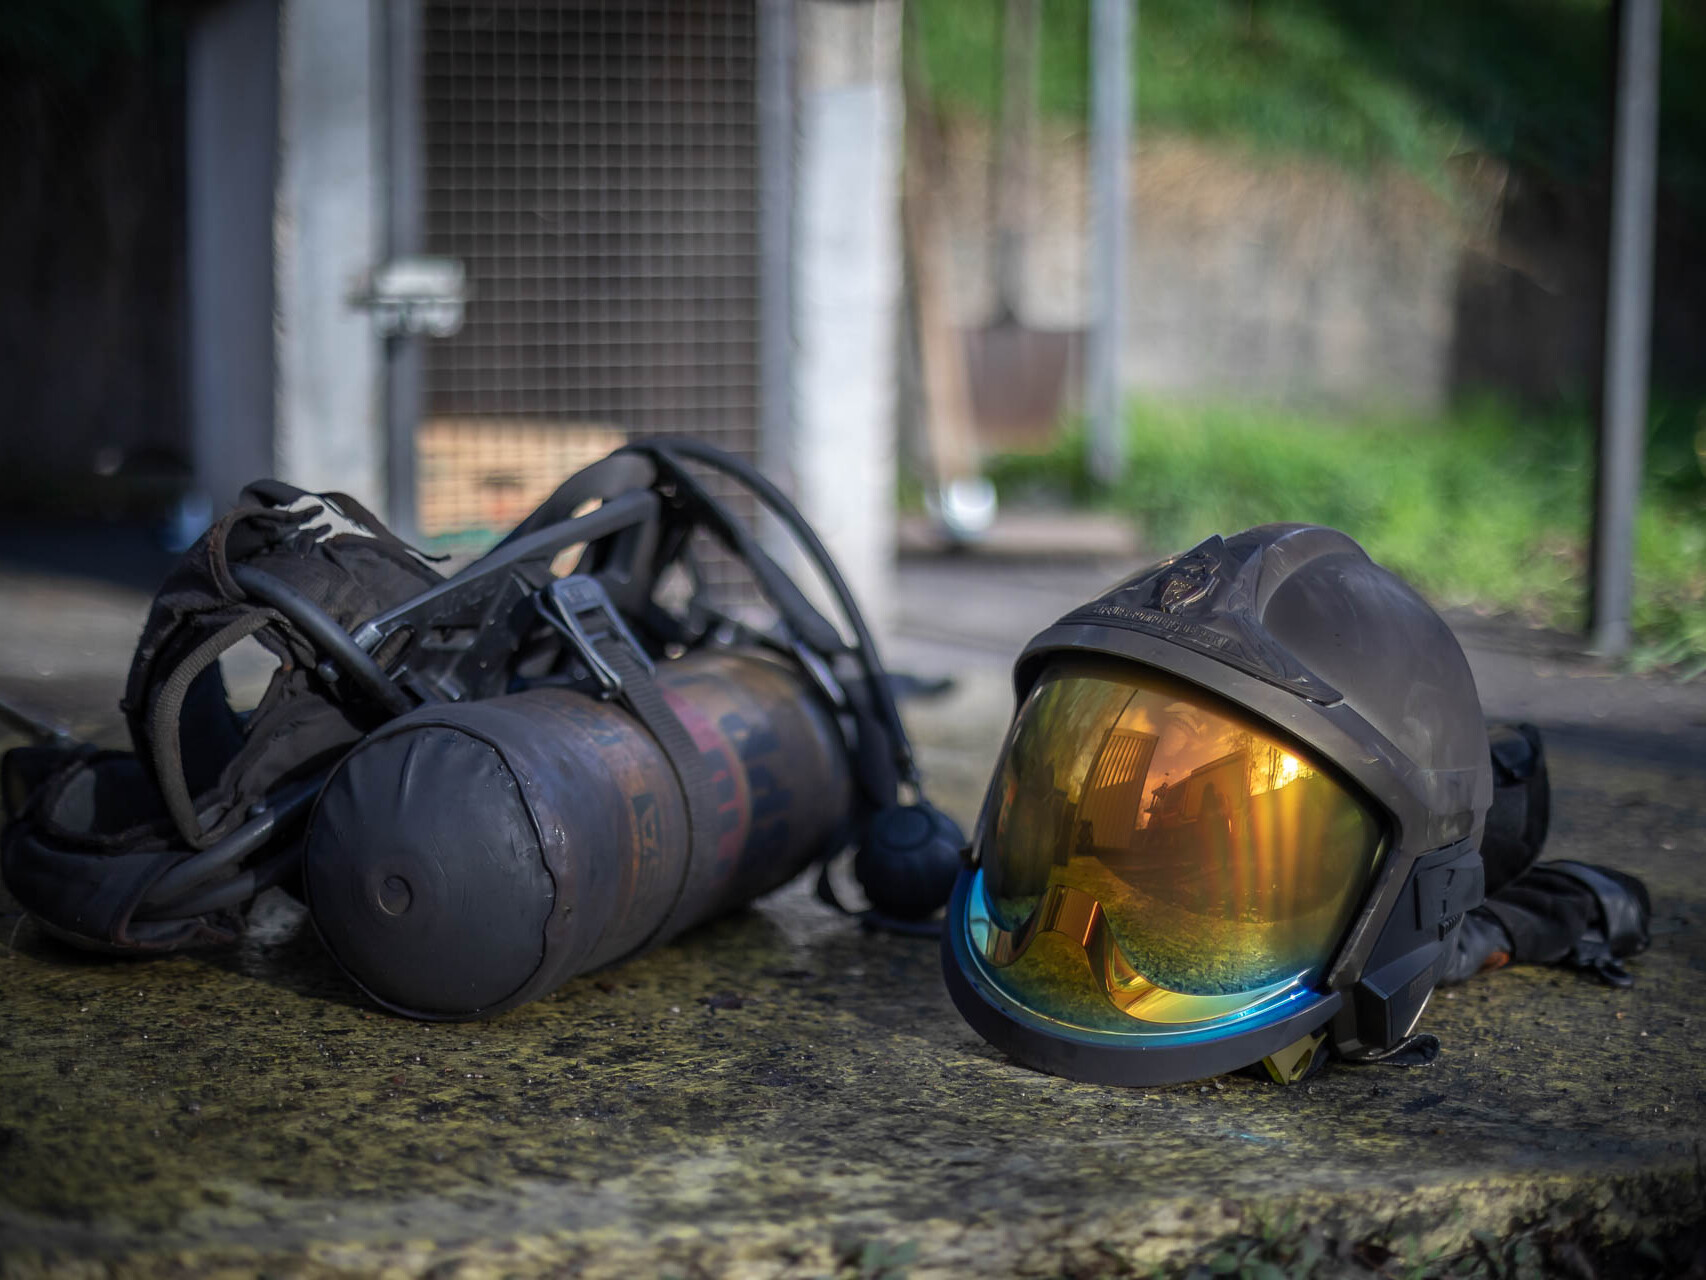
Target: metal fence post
x,y
775,237
1112,24
399,57
1628,322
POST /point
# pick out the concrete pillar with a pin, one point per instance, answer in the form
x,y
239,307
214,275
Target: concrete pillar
x,y
329,227
231,123
847,286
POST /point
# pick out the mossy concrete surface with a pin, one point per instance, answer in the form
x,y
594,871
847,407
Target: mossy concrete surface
x,y
782,1094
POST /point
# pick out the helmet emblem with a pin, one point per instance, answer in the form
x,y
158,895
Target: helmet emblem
x,y
1187,585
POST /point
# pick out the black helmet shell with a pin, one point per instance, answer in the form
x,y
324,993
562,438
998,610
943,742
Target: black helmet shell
x,y
1297,625
1333,641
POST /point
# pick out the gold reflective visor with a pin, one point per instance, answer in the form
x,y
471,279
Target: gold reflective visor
x,y
1079,917
1155,855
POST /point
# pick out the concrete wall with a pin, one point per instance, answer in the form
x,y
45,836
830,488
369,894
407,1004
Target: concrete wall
x,y
328,232
1284,281
284,222
1292,280
92,272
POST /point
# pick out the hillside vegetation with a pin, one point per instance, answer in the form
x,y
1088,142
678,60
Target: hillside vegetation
x,y
1489,505
1414,83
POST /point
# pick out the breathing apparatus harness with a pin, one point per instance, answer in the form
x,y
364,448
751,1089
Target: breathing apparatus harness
x,y
159,848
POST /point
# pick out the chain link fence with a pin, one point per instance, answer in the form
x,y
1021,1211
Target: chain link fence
x,y
594,163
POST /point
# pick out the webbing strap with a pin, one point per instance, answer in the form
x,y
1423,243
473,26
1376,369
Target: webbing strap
x,y
641,695
165,725
578,601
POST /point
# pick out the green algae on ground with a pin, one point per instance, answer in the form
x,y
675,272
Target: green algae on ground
x,y
776,1092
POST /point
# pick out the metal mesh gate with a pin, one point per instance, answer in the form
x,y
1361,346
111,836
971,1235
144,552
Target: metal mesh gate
x,y
594,164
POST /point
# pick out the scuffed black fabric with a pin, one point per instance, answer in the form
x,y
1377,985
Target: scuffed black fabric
x,y
1521,811
350,576
210,735
91,833
1567,913
1544,913
84,849
1479,943
1625,907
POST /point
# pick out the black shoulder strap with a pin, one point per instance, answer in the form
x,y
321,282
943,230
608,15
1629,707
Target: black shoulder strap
x,y
165,727
327,550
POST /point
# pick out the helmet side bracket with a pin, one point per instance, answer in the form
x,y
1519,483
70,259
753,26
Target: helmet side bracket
x,y
1388,984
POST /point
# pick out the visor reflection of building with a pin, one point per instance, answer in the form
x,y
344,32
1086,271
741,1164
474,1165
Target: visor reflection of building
x,y
1113,797
1220,840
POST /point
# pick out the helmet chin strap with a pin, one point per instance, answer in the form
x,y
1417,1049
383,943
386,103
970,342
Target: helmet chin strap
x,y
1415,1050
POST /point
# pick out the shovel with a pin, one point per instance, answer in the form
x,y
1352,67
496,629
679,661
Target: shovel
x,y
1016,375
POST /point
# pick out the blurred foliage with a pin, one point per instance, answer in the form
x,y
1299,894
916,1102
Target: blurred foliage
x,y
1364,83
1486,508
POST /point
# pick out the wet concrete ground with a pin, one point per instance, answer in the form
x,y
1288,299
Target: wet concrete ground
x,y
781,1094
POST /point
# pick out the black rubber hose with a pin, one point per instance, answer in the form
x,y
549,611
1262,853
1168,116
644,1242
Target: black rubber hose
x,y
668,447
192,873
318,625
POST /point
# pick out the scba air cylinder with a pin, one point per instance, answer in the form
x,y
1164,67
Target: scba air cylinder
x,y
470,857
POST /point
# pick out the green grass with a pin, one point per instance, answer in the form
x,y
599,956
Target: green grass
x,y
1483,509
1363,83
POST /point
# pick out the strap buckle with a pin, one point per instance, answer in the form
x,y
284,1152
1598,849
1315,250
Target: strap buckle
x,y
567,603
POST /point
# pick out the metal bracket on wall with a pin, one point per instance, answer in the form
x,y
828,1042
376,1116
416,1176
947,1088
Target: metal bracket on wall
x,y
415,297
